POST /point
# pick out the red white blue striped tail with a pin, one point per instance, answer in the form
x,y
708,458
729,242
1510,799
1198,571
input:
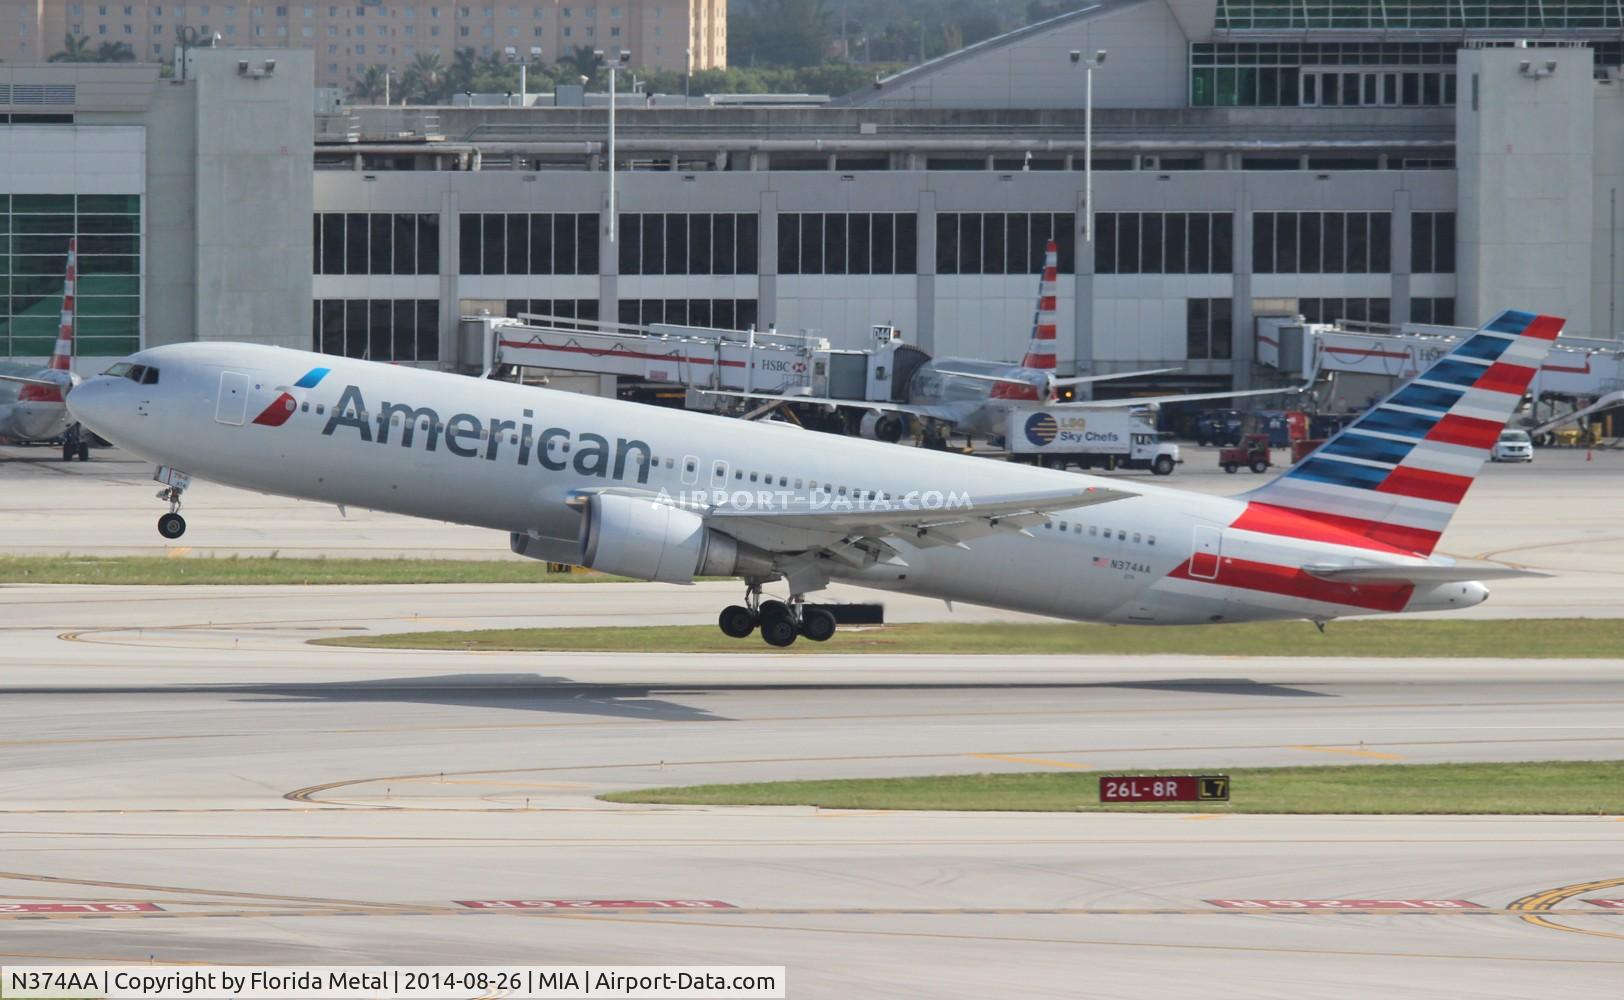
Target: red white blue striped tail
x,y
1040,353
62,356
1395,475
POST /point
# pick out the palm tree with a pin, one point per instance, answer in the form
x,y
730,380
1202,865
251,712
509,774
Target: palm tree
x,y
75,48
582,61
114,52
460,77
370,85
424,79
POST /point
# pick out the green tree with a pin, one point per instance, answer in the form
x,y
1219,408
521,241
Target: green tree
x,y
75,48
370,85
460,77
114,52
781,33
424,81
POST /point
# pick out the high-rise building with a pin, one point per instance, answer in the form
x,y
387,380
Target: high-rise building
x,y
671,35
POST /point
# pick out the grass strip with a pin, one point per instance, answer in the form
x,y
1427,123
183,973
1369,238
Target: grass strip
x,y
1577,788
250,570
1501,638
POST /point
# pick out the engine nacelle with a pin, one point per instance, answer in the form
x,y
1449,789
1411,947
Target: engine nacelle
x,y
880,426
649,540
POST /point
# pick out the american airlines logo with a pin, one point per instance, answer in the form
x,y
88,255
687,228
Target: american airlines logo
x,y
467,436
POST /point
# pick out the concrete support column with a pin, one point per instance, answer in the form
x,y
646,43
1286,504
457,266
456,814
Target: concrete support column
x,y
1401,258
925,268
767,261
1242,334
608,263
1083,300
450,271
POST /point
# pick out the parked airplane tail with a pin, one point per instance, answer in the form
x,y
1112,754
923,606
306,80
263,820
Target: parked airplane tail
x,y
1040,353
1395,475
62,357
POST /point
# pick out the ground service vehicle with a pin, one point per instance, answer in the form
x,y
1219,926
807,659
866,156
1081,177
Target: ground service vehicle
x,y
1252,452
1110,439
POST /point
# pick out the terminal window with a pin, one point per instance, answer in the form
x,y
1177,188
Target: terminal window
x,y
848,243
528,243
1209,328
376,243
1003,242
1355,309
721,314
1322,242
559,312
34,235
1433,310
378,329
688,243
1164,242
1432,242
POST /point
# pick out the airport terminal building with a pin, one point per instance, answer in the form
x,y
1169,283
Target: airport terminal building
x,y
1394,163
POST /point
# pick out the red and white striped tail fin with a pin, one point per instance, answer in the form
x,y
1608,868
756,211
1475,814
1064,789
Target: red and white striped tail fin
x,y
1396,474
62,357
1040,353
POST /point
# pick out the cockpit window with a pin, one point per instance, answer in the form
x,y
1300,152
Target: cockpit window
x,y
135,372
119,370
150,376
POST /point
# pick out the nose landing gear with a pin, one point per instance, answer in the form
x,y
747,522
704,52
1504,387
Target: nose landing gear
x,y
171,525
781,622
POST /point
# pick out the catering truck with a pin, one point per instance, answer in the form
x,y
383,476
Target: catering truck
x,y
1110,439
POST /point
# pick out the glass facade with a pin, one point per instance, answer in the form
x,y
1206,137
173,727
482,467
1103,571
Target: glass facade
x,y
1449,15
34,234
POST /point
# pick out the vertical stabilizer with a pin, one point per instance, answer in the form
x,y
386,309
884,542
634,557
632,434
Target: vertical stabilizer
x,y
1040,353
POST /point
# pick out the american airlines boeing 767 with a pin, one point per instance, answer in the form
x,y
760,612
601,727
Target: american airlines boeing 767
x,y
670,495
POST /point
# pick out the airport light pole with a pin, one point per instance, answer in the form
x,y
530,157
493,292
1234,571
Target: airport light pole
x,y
688,75
1089,66
621,60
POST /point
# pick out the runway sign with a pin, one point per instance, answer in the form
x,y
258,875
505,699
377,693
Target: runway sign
x,y
595,904
80,908
1165,788
1607,904
1346,904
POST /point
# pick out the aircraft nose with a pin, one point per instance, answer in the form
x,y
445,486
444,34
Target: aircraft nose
x,y
91,404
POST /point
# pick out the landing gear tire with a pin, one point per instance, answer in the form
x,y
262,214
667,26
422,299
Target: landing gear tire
x,y
1260,466
778,630
818,624
171,526
736,621
84,451
773,609
67,451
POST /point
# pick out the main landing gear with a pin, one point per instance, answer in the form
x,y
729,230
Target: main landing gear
x,y
780,622
74,445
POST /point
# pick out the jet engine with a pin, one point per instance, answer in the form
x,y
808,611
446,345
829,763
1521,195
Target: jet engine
x,y
881,426
649,540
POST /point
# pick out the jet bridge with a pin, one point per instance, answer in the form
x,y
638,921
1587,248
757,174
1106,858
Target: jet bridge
x,y
689,357
1576,368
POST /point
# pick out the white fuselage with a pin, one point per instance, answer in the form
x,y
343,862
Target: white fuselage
x,y
509,458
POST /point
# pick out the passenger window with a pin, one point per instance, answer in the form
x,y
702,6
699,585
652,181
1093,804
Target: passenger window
x,y
1048,525
688,466
304,407
670,464
783,481
1093,530
1062,526
752,477
1122,536
1136,538
1150,539
798,483
738,474
321,408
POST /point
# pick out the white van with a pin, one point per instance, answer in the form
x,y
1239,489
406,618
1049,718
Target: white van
x,y
1513,446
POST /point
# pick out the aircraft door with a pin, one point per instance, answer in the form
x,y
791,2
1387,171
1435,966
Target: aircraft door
x,y
1205,552
718,479
690,470
232,406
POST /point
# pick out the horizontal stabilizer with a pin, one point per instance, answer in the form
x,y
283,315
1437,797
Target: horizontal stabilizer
x,y
1419,575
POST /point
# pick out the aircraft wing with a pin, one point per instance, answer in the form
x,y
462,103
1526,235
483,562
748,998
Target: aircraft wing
x,y
840,525
1117,404
24,380
1069,380
935,412
1419,575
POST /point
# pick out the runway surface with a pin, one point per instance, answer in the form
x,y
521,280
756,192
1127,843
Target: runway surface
x,y
245,797
283,803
